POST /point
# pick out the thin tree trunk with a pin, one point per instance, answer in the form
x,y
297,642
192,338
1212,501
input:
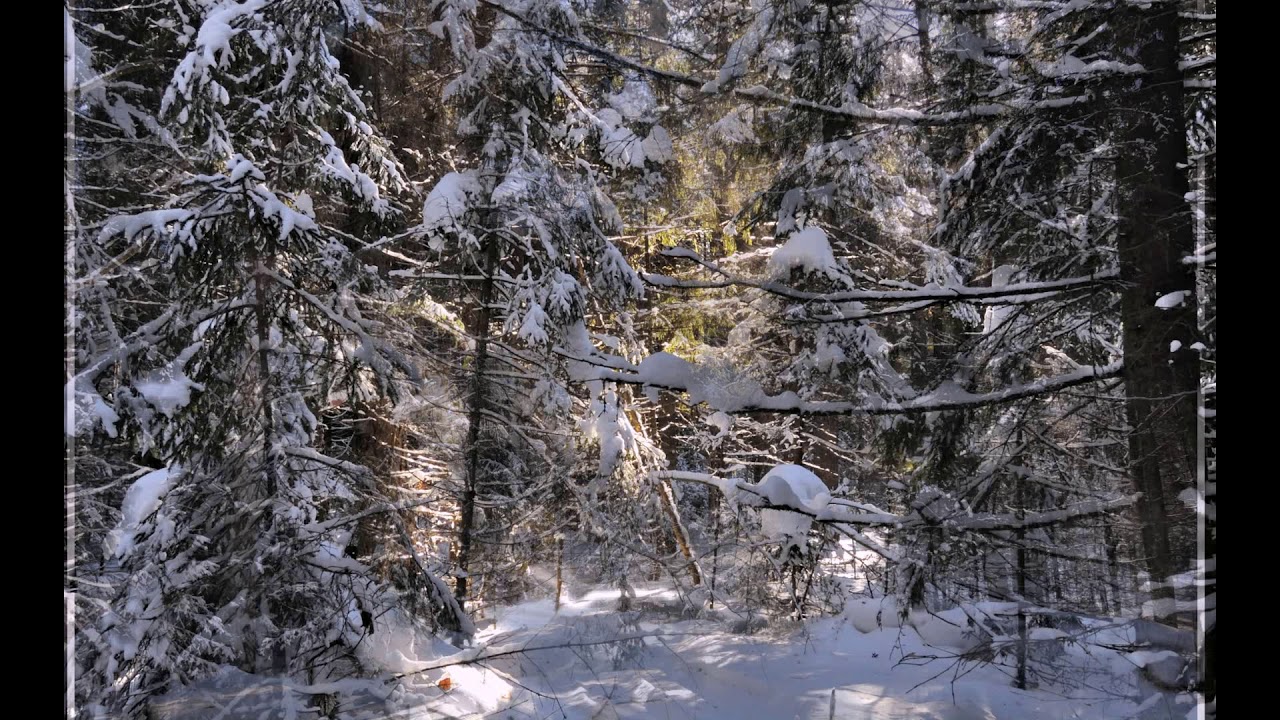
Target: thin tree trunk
x,y
480,331
1113,567
1019,484
677,529
926,46
559,570
262,320
714,504
1022,615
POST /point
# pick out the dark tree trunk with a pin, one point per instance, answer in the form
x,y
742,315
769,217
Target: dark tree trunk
x,y
1019,484
1113,568
480,331
1155,234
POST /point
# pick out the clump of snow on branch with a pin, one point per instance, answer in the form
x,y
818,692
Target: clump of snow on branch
x,y
808,250
1172,300
790,486
635,101
141,500
169,389
446,204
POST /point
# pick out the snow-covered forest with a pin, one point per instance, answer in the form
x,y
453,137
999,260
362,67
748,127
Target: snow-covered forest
x,y
640,358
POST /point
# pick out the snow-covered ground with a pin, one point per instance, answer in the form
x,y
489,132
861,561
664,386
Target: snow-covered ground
x,y
569,664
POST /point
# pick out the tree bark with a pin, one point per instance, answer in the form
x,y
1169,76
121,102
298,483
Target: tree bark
x,y
1155,234
677,530
480,331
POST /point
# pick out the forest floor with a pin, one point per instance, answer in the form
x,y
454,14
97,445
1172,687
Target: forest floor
x,y
571,664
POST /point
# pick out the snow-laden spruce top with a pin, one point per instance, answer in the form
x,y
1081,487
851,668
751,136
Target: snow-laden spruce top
x,y
808,250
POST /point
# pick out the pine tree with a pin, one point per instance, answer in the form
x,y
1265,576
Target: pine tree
x,y
237,546
525,228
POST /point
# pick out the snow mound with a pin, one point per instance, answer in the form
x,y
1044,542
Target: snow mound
x,y
949,629
1143,658
871,614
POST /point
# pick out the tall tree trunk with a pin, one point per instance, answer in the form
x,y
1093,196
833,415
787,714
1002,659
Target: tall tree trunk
x,y
262,321
249,530
1155,234
480,331
1020,487
923,20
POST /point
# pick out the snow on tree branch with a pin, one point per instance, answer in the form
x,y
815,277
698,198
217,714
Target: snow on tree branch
x,y
763,96
1006,294
744,395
